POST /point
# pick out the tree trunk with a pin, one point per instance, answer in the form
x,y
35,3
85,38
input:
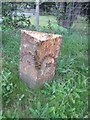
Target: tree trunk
x,y
62,5
61,10
15,14
70,12
37,15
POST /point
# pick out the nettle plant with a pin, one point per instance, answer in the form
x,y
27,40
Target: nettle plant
x,y
54,29
17,21
7,86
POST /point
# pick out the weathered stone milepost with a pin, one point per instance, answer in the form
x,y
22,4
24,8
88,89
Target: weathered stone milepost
x,y
38,56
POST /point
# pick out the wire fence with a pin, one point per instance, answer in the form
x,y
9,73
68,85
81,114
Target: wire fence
x,y
68,15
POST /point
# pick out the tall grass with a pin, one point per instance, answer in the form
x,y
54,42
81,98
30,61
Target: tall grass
x,y
66,96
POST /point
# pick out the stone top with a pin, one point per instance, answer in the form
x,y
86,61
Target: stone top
x,y
41,36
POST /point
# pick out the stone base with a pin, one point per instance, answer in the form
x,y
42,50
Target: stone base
x,y
38,56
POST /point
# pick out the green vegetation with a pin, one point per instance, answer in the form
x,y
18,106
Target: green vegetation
x,y
66,96
44,20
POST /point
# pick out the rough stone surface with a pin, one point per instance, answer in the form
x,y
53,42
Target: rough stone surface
x,y
38,56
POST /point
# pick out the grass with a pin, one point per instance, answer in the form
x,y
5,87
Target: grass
x,y
80,24
66,96
44,20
